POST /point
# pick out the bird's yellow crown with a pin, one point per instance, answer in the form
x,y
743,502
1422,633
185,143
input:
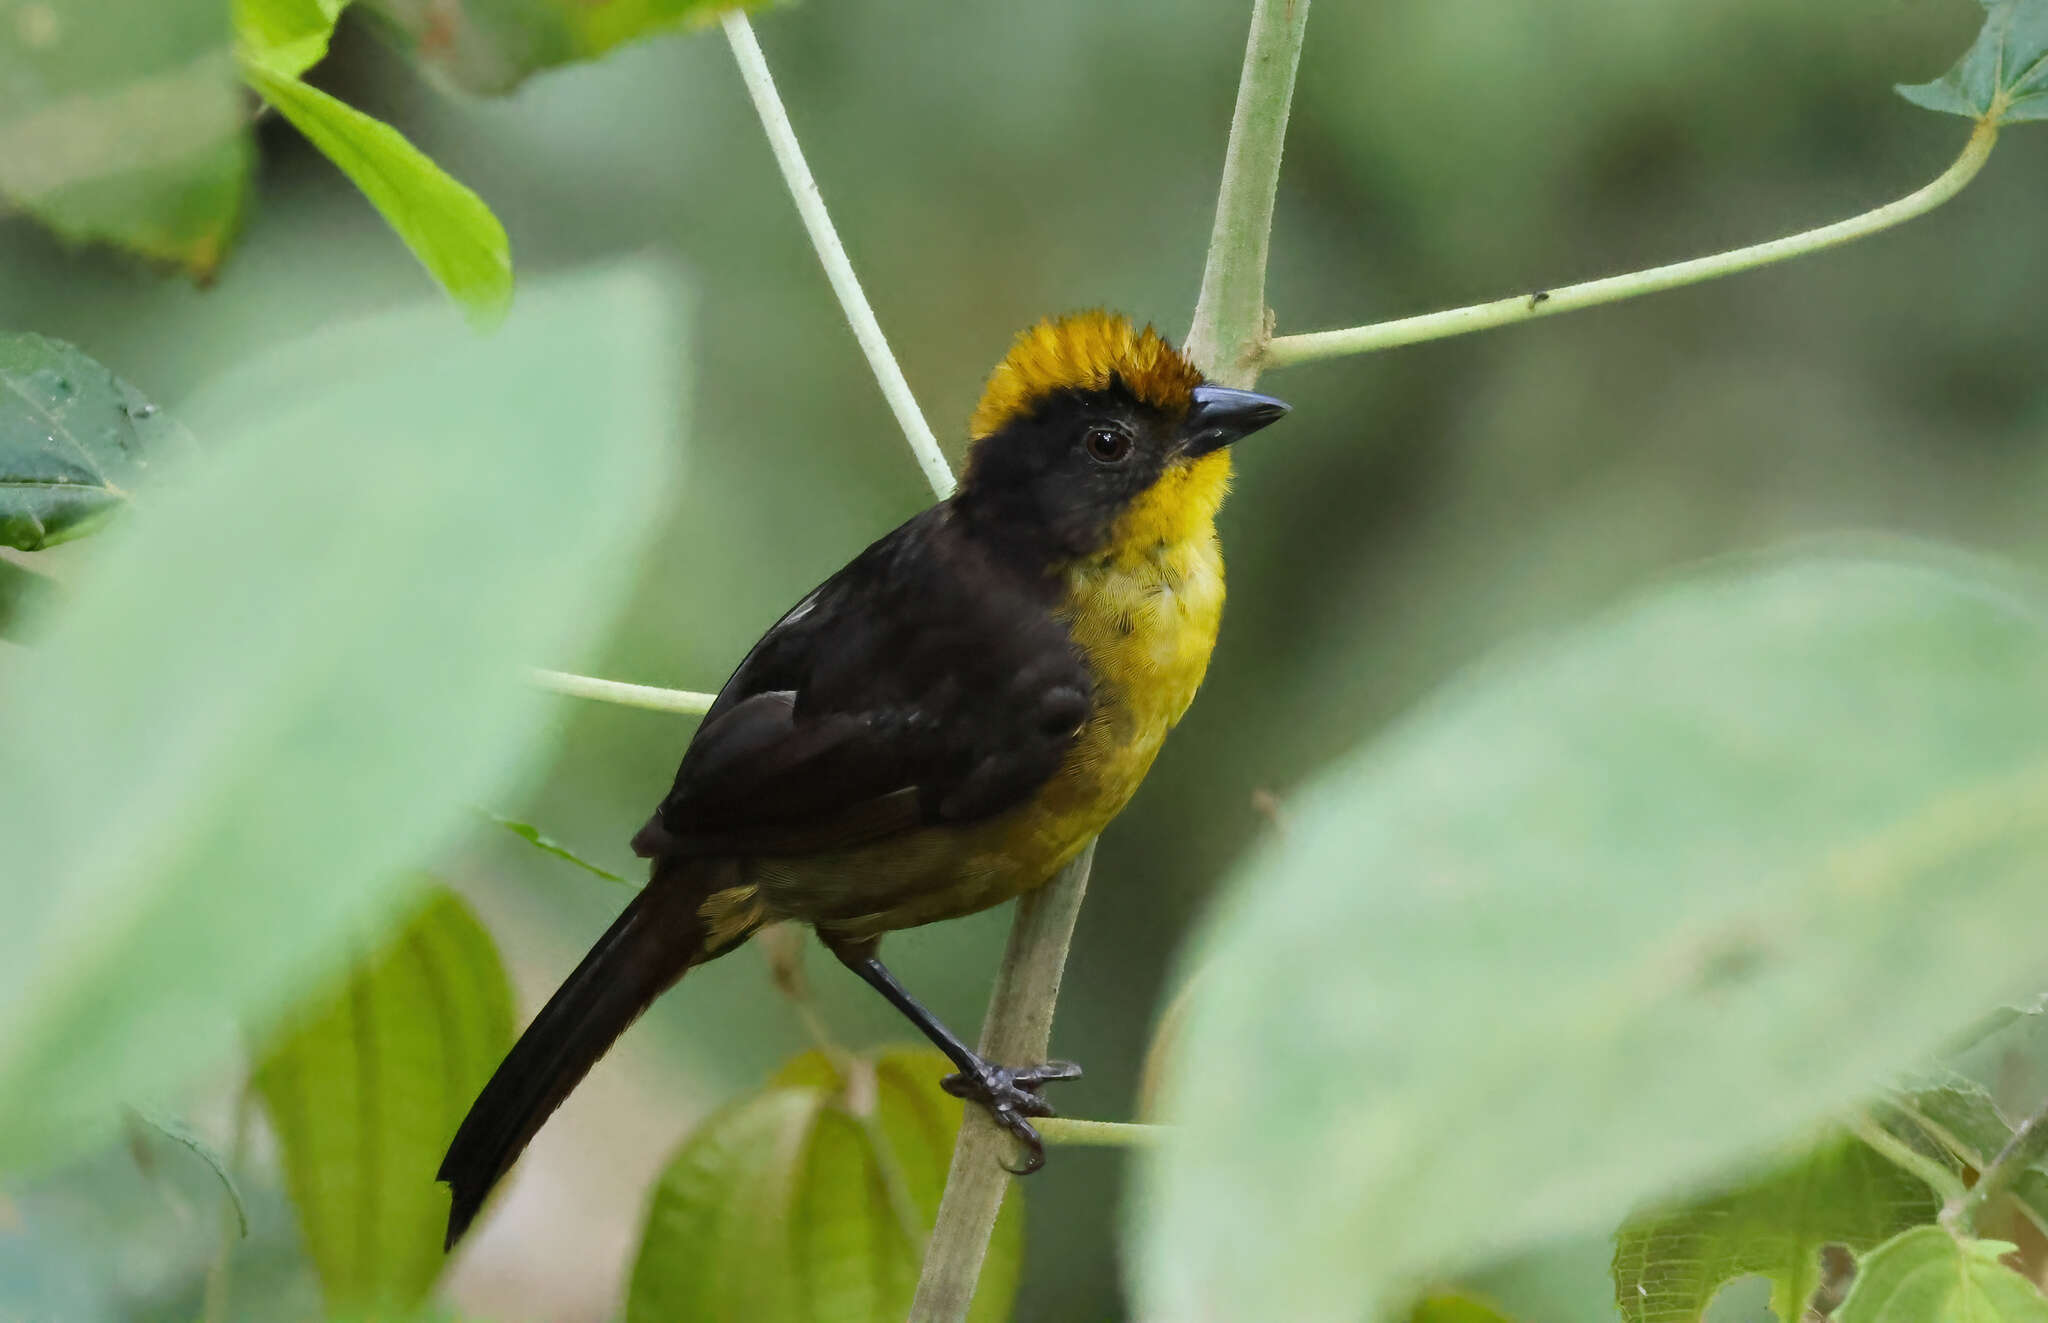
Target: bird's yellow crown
x,y
1086,351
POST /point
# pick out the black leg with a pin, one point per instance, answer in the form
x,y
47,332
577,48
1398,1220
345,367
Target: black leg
x,y
1010,1095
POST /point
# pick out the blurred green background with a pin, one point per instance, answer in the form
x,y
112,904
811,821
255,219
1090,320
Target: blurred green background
x,y
988,165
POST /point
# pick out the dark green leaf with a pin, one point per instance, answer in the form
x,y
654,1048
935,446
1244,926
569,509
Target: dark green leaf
x,y
1604,918
1927,1276
75,440
175,1130
807,1202
286,37
493,45
365,1087
1670,1263
448,228
289,677
2003,77
121,122
531,834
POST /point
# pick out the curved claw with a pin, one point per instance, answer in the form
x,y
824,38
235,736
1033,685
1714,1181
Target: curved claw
x,y
1010,1096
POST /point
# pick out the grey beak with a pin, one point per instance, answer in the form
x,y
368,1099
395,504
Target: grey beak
x,y
1221,415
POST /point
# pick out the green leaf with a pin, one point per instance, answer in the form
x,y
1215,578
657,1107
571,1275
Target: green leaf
x,y
2003,77
807,1202
1670,1263
290,675
286,37
365,1087
121,123
1927,1276
447,227
1600,920
531,834
1957,1123
74,441
492,46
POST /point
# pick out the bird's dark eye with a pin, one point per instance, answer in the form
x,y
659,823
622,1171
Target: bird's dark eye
x,y
1108,444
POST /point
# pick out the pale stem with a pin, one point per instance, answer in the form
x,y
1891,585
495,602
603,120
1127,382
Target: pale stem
x,y
1017,1030
1100,1134
1230,315
2028,1146
811,206
685,701
1286,350
1945,1183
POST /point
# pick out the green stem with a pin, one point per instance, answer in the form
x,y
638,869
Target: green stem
x,y
811,206
1230,316
688,702
1018,1028
1100,1134
2028,1145
1286,350
1945,1183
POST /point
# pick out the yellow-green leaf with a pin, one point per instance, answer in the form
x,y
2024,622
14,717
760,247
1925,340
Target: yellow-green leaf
x,y
809,1202
1670,1262
493,45
121,122
286,37
365,1086
448,227
1928,1276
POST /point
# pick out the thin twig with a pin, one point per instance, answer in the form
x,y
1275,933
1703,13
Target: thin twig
x,y
811,206
1286,350
1230,315
1101,1134
2028,1145
1018,1028
685,701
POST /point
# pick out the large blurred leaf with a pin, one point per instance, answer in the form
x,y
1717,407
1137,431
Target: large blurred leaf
x,y
74,441
1927,1276
493,45
447,227
121,121
809,1202
1670,1263
366,1086
1602,918
292,673
2004,74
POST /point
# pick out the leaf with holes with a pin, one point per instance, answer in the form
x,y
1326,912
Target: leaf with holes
x,y
365,1086
492,46
1928,1276
75,442
2003,77
121,123
808,1202
1669,1263
1607,916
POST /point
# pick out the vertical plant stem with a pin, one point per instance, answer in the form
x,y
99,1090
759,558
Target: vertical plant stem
x,y
1230,327
2028,1145
811,206
1018,1029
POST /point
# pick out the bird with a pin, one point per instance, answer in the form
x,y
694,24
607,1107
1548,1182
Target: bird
x,y
937,728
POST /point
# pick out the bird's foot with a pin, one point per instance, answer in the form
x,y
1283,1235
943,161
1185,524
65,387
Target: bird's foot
x,y
1011,1097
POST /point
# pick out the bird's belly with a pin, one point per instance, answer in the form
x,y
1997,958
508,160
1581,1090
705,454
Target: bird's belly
x,y
1146,627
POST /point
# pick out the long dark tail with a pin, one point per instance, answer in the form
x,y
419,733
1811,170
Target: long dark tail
x,y
646,950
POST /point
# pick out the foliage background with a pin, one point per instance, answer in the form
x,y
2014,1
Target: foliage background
x,y
987,165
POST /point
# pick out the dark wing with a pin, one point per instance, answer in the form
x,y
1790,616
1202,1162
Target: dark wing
x,y
924,683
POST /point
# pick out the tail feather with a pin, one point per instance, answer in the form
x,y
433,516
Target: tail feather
x,y
650,946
